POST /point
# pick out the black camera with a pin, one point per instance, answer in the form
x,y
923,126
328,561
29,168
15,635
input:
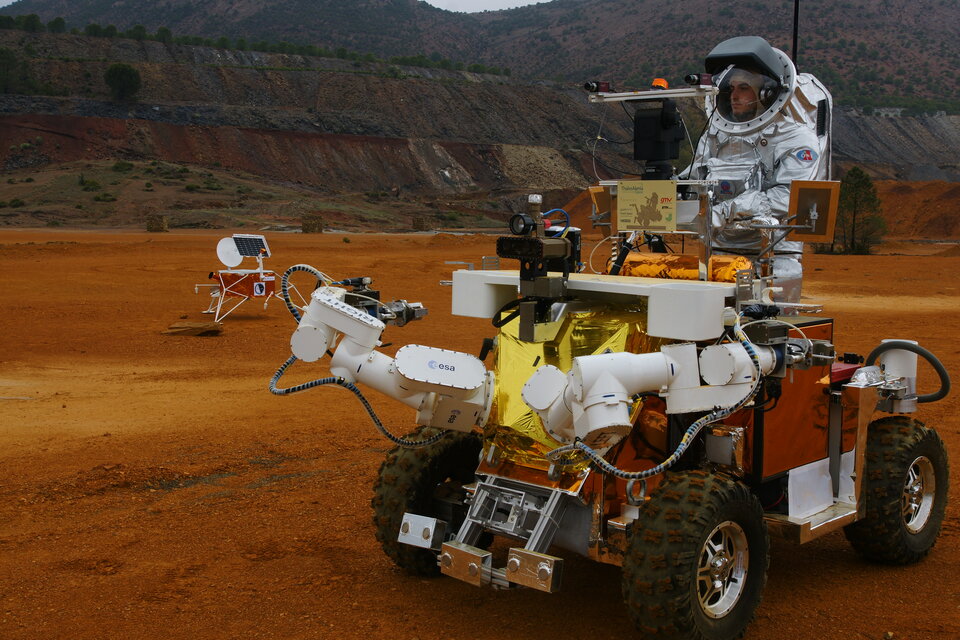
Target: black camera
x,y
596,87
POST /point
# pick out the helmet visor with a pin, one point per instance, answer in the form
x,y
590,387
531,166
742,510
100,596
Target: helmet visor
x,y
741,94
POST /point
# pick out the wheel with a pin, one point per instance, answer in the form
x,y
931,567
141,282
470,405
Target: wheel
x,y
905,490
429,482
697,562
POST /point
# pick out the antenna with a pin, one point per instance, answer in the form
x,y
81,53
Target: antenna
x,y
796,28
231,251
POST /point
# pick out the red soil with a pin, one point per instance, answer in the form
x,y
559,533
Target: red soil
x,y
152,487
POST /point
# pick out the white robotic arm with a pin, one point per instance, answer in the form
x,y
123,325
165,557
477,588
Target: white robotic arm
x,y
449,389
592,402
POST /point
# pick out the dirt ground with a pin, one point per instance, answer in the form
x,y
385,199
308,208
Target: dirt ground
x,y
151,486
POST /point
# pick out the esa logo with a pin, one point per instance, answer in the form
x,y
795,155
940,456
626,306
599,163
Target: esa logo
x,y
433,364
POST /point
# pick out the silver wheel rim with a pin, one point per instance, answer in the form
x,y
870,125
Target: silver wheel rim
x,y
722,569
916,504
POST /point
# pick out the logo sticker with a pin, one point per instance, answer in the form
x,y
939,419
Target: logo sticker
x,y
726,188
806,155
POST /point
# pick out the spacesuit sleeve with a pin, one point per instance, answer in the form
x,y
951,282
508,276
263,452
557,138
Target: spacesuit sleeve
x,y
770,203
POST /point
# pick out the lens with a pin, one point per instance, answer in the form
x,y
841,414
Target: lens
x,y
594,87
521,224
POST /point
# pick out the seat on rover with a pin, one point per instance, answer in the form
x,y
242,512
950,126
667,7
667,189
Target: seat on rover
x,y
677,266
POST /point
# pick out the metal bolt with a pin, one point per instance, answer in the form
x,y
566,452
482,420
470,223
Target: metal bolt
x,y
513,564
405,528
473,569
426,533
544,572
446,560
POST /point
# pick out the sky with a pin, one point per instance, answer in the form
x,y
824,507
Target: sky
x,y
472,6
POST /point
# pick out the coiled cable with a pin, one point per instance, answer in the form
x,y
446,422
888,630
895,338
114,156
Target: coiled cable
x,y
929,357
285,284
685,441
341,382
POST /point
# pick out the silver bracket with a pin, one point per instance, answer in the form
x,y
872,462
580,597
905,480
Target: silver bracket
x,y
467,563
535,570
422,531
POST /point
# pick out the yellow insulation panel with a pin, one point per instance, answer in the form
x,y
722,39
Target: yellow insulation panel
x,y
514,428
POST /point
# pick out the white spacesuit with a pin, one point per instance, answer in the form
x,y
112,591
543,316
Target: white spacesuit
x,y
769,126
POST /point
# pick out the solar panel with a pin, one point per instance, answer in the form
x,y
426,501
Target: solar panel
x,y
250,246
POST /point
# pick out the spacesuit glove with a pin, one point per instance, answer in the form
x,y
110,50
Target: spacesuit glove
x,y
745,210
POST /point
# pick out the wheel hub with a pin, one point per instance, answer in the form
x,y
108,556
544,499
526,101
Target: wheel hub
x,y
722,569
919,490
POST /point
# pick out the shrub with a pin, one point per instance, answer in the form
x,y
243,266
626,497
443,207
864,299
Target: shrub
x,y
192,187
16,202
104,197
123,80
122,166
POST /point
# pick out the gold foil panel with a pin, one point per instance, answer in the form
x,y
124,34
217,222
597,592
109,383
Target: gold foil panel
x,y
724,268
676,266
514,428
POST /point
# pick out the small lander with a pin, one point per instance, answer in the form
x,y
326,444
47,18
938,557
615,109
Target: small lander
x,y
235,286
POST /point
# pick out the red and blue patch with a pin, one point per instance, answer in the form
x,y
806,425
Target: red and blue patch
x,y
806,155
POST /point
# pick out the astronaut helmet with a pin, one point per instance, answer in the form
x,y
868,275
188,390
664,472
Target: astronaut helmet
x,y
754,80
745,93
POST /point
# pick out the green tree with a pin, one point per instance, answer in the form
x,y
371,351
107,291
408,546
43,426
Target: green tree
x,y
109,31
57,25
93,29
137,32
30,23
859,224
164,35
123,80
9,71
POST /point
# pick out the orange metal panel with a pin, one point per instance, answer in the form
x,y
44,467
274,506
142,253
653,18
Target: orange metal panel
x,y
795,432
238,284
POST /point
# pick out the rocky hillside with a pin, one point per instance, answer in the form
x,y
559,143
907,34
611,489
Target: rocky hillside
x,y
452,140
893,52
898,148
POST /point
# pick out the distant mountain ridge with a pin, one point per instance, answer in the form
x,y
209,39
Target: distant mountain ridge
x,y
869,52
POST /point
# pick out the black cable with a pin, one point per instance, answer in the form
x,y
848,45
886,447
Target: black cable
x,y
349,386
606,166
285,285
498,321
920,351
693,151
